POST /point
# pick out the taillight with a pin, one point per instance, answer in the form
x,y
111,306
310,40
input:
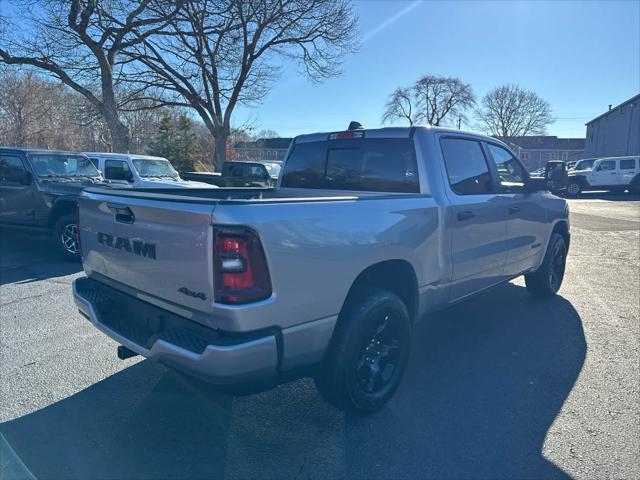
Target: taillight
x,y
345,135
239,266
78,229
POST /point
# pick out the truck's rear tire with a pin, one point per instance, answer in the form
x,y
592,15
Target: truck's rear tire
x,y
546,281
66,237
368,353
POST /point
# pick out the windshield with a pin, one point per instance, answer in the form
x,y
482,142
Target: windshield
x,y
585,164
154,167
62,165
273,168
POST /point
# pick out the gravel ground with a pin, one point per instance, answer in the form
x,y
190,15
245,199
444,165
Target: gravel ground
x,y
500,386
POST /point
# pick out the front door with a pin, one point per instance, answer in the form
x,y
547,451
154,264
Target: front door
x,y
526,226
16,193
604,174
476,218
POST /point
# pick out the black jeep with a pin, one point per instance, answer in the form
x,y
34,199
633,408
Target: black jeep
x,y
39,191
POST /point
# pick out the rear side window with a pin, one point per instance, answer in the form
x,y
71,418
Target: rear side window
x,y
368,165
628,164
466,165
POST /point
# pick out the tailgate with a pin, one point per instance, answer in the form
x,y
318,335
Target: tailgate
x,y
157,247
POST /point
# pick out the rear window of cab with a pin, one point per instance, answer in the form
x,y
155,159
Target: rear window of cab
x,y
368,165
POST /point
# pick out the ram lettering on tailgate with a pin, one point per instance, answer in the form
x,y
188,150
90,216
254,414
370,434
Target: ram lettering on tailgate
x,y
137,247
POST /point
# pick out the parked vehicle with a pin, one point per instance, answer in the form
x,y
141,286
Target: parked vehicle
x,y
538,172
39,191
615,174
139,171
237,173
326,274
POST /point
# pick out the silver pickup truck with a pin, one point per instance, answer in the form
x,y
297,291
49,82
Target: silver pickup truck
x,y
326,274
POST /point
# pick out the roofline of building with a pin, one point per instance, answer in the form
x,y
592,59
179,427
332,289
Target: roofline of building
x,y
626,102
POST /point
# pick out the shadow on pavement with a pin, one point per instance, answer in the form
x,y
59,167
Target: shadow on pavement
x,y
486,380
25,257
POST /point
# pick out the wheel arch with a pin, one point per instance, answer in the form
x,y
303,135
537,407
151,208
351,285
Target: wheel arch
x,y
61,206
397,276
562,227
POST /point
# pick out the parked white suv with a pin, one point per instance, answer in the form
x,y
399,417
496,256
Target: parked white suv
x,y
140,171
612,173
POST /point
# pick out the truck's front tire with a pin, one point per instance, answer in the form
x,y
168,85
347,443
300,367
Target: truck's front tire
x,y
574,188
546,281
66,236
368,353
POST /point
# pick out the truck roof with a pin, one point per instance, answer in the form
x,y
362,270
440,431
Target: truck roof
x,y
388,132
122,155
38,150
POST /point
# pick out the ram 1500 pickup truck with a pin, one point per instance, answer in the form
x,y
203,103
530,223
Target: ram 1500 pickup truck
x,y
324,275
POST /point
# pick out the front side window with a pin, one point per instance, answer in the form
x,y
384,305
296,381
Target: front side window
x,y
606,165
367,165
117,170
11,169
628,164
62,165
466,166
510,171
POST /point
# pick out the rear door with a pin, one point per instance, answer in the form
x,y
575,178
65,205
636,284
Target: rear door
x,y
628,168
526,224
160,248
604,174
477,218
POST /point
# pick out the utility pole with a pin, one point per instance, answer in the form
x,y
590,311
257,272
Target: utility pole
x,y
459,121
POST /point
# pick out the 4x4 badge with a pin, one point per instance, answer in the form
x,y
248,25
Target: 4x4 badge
x,y
193,294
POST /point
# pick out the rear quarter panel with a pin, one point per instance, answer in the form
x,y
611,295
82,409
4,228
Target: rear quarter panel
x,y
315,251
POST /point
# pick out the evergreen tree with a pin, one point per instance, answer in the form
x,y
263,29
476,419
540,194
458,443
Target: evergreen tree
x,y
176,141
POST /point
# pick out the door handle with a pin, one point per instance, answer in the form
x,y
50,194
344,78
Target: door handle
x,y
466,215
513,210
122,213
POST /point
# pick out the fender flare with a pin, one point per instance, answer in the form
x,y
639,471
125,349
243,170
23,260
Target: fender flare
x,y
61,205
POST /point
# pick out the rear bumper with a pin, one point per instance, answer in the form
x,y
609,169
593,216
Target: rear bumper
x,y
178,342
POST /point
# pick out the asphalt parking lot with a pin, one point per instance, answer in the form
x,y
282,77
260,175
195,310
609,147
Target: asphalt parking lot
x,y
501,386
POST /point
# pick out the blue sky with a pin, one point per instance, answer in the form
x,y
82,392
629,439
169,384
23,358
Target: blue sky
x,y
580,56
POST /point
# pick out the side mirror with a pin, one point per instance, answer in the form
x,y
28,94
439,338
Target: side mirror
x,y
27,179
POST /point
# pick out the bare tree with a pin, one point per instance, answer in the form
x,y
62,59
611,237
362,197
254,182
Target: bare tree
x,y
511,111
401,106
267,133
440,98
223,53
79,42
